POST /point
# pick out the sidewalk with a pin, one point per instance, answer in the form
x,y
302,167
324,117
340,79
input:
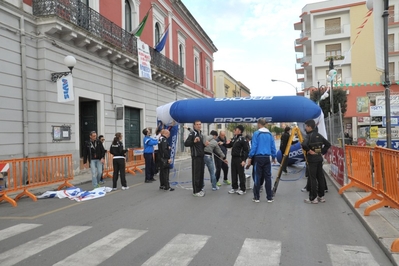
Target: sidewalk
x,y
382,224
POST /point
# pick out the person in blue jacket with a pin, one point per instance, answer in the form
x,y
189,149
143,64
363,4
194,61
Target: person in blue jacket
x,y
149,143
262,148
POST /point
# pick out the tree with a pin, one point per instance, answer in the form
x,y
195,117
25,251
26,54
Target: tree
x,y
339,98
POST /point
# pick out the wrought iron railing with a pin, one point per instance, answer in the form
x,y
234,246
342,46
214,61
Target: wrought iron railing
x,y
77,13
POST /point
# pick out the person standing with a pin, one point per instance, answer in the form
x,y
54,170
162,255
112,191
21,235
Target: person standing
x,y
239,154
119,161
213,148
149,143
102,139
262,148
315,146
195,141
283,144
164,160
94,153
156,161
220,165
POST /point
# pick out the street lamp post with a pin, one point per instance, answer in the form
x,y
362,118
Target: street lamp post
x,y
70,62
296,89
319,90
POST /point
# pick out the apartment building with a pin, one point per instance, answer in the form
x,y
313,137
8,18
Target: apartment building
x,y
344,31
109,94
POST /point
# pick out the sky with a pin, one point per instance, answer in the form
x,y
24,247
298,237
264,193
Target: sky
x,y
255,40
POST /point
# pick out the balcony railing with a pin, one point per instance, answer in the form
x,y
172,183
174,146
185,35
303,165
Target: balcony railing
x,y
77,13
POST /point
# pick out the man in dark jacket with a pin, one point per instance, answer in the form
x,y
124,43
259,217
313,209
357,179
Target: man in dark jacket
x,y
164,160
315,146
283,144
195,141
220,165
239,154
94,153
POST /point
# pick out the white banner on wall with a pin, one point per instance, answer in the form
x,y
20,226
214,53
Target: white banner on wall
x,y
144,59
65,89
379,108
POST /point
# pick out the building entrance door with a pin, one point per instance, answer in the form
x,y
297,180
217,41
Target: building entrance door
x,y
132,127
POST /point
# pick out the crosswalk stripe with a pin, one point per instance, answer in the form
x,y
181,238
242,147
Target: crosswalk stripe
x,y
33,247
259,251
350,255
179,251
102,249
16,229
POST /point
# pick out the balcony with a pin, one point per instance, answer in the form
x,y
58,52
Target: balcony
x,y
298,25
321,34
72,21
299,48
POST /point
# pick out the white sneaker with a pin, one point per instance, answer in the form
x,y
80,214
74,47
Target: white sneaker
x,y
240,192
232,191
125,188
114,189
199,194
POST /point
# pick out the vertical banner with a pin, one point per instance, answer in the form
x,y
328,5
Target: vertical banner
x,y
65,89
336,160
144,55
172,140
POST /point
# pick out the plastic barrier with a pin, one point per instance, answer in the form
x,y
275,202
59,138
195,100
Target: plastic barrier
x,y
108,165
135,158
24,174
359,164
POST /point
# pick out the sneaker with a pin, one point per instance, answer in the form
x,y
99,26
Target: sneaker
x,y
255,200
240,192
169,189
321,199
218,184
102,182
232,191
270,200
227,182
304,189
161,187
97,186
125,188
114,189
311,201
215,188
199,194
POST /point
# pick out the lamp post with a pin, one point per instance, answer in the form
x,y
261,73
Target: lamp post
x,y
70,62
387,82
296,89
319,88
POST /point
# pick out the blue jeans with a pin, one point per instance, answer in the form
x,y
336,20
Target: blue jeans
x,y
96,168
211,168
263,172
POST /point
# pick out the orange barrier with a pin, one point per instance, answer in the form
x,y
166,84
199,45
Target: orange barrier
x,y
108,165
359,164
135,158
26,173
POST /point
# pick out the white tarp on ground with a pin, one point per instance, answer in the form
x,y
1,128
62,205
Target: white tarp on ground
x,y
77,194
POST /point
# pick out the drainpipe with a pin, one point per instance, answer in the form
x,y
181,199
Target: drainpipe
x,y
24,90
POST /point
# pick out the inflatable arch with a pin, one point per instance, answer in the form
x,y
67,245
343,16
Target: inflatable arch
x,y
243,110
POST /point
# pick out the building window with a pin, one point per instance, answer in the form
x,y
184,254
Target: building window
x,y
181,40
391,43
181,55
391,14
157,36
197,71
333,51
208,75
226,90
338,77
128,16
332,26
392,72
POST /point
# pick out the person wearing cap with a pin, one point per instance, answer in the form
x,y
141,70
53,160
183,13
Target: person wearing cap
x,y
239,154
149,143
213,148
315,146
262,148
195,141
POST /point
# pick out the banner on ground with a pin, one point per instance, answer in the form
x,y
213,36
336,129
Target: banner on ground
x,y
76,194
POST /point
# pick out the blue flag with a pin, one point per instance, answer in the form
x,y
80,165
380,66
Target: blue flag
x,y
162,42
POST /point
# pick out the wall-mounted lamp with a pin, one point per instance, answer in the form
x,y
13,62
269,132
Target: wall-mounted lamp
x,y
70,62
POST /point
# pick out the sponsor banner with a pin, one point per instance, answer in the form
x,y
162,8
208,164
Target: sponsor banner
x,y
383,143
65,89
295,155
76,194
144,57
379,108
335,157
394,121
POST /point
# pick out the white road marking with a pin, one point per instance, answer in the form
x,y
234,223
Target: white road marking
x,y
16,229
102,249
180,251
17,254
259,252
342,255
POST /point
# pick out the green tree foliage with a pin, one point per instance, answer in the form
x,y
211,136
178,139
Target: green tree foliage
x,y
340,97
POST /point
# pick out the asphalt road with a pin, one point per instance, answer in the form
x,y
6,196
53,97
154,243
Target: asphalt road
x,y
146,226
